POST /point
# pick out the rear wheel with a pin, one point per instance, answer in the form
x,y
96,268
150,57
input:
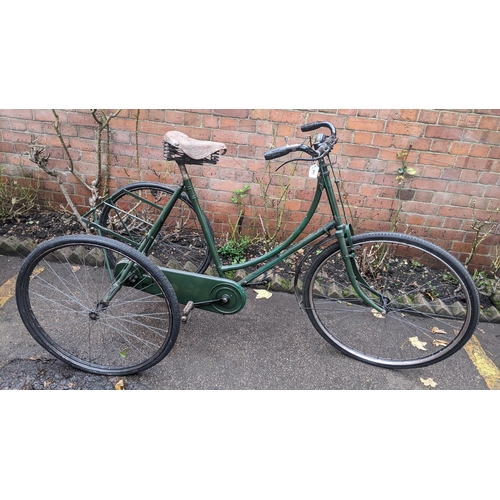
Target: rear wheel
x,y
64,291
431,305
180,244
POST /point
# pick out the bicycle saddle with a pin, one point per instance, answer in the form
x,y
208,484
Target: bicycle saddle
x,y
193,148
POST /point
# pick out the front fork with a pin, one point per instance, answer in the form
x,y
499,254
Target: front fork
x,y
344,235
359,284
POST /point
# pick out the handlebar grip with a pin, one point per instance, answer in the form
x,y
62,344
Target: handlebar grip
x,y
311,126
314,125
277,153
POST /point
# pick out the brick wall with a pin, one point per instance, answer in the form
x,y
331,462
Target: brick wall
x,y
456,155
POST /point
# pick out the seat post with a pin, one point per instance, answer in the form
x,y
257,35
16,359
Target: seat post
x,y
183,170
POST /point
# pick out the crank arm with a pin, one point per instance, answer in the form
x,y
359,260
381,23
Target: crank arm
x,y
191,305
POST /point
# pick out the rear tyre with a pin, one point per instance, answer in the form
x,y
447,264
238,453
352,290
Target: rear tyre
x,y
63,291
431,305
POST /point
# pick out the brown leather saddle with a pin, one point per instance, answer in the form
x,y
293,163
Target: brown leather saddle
x,y
180,147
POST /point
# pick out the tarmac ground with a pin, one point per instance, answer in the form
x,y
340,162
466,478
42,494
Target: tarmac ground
x,y
269,345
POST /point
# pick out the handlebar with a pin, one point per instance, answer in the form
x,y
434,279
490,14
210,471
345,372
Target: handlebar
x,y
323,149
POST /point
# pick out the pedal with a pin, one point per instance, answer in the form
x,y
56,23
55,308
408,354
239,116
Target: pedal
x,y
187,311
263,282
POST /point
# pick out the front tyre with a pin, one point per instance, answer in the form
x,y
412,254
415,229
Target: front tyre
x,y
63,295
431,305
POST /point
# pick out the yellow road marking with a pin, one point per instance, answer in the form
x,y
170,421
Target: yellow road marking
x,y
486,368
7,290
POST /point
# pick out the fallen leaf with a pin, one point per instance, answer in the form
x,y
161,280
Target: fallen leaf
x,y
428,382
439,343
263,294
75,268
377,314
437,330
417,343
119,386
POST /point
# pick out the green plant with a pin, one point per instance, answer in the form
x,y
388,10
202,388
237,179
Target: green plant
x,y
238,199
403,173
482,229
16,196
234,249
236,245
404,170
496,261
486,284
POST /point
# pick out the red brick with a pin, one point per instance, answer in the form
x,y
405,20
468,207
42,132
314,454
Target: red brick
x,y
488,111
429,184
235,113
440,146
479,150
259,114
388,114
489,122
370,113
481,136
10,136
365,124
363,138
350,112
408,114
468,120
442,160
428,116
421,144
361,151
382,140
286,116
489,178
448,118
192,119
469,189
453,133
405,128
26,114
494,153
471,162
459,148
415,220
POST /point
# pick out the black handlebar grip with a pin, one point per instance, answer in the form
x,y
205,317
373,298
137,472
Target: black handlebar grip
x,y
314,125
311,126
277,153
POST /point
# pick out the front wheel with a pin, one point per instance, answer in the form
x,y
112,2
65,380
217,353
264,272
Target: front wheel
x,y
430,303
76,307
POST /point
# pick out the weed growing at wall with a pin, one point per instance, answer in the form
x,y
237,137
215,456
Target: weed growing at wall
x,y
404,173
16,196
